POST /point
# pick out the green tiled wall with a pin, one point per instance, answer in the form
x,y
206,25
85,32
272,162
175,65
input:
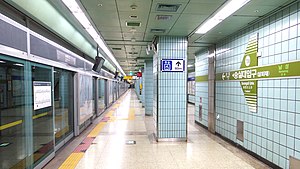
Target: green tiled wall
x,y
201,69
273,132
148,86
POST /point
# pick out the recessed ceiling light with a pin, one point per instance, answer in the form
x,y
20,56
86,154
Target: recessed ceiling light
x,y
225,11
137,24
132,30
133,7
133,39
256,11
100,5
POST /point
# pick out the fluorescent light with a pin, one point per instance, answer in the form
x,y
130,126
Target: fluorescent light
x,y
211,55
84,21
223,50
2,61
225,11
18,64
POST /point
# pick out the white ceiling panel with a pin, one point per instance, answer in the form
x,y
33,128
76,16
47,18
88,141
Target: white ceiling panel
x,y
110,17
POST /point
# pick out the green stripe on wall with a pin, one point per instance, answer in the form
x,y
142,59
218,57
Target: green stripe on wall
x,y
282,70
202,78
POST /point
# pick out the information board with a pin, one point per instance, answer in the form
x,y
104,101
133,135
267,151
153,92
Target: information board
x,y
41,94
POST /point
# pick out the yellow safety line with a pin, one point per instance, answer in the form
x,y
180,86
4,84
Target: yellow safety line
x,y
110,113
131,114
8,125
72,161
116,105
112,119
39,115
97,130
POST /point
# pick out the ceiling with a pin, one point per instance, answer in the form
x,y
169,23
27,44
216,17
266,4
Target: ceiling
x,y
128,43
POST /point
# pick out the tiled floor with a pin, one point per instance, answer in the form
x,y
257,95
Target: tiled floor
x,y
126,122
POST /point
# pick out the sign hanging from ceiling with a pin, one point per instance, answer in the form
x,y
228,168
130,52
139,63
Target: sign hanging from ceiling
x,y
172,65
127,77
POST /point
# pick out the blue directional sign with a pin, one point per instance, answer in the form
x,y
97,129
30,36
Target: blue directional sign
x,y
172,65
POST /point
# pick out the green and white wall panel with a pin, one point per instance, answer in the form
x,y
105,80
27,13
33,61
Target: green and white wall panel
x,y
273,129
148,86
201,93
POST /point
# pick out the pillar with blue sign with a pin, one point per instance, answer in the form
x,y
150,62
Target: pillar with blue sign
x,y
170,88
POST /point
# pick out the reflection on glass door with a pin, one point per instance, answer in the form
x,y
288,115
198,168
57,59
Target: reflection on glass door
x,y
110,92
101,95
94,96
63,104
12,114
115,90
42,113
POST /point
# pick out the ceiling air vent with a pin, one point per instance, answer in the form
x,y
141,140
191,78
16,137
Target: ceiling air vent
x,y
132,53
158,30
116,48
133,24
133,16
167,7
163,17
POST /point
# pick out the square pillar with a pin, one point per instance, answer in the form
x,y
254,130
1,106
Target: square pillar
x,y
148,86
170,91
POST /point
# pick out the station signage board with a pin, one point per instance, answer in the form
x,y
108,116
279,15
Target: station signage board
x,y
172,65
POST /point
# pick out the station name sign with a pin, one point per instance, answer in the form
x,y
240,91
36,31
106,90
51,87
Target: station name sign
x,y
288,69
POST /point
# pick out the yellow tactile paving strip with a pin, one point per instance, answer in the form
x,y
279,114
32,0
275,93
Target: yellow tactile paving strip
x,y
72,161
131,114
97,129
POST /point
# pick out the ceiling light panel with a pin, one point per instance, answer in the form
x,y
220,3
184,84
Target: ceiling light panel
x,y
225,11
73,6
133,24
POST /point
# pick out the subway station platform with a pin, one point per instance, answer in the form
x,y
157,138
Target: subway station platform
x,y
123,138
149,84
